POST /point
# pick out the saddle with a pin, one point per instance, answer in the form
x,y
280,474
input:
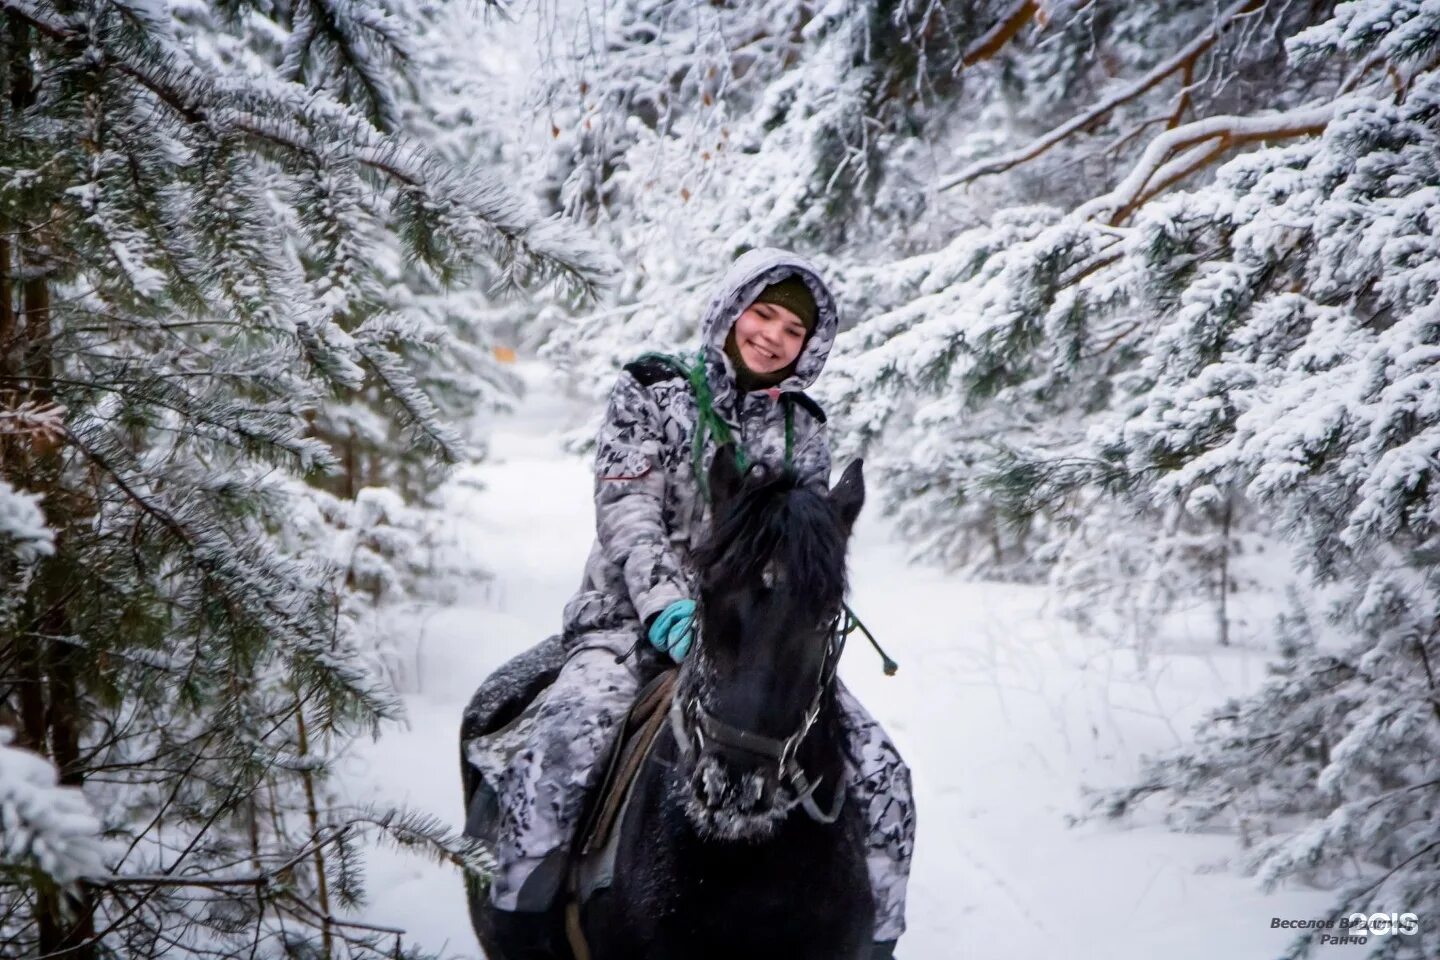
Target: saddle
x,y
501,701
647,715
592,864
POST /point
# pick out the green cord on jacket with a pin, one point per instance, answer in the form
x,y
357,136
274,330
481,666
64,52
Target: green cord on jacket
x,y
709,422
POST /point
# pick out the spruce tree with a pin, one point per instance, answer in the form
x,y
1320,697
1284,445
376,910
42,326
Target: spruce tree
x,y
198,214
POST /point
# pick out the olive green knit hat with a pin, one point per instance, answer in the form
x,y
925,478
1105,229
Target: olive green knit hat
x,y
792,294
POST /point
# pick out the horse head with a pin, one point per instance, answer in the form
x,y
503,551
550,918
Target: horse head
x,y
772,585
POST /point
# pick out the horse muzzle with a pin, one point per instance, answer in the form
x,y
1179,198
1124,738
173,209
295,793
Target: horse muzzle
x,y
731,800
737,773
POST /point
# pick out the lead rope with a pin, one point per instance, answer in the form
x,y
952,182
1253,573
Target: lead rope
x,y
853,623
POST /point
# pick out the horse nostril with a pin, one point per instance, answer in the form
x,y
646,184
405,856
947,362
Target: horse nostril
x,y
718,787
709,784
757,792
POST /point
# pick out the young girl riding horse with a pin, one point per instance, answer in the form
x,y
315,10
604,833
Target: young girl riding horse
x,y
767,332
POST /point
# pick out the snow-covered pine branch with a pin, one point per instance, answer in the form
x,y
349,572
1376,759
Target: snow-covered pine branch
x,y
47,831
1180,151
23,533
463,218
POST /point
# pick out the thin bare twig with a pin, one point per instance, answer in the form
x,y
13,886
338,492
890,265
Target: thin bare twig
x,y
1177,153
1182,60
993,40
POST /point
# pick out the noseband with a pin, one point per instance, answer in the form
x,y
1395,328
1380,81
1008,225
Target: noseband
x,y
696,729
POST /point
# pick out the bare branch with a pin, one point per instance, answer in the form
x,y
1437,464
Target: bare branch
x,y
1355,76
1182,60
993,40
1182,103
1177,153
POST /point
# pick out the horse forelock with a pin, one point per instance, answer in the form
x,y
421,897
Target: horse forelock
x,y
774,517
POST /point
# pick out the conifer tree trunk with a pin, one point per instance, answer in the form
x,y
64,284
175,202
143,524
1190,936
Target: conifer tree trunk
x,y
65,928
50,701
55,724
1223,609
312,815
23,652
7,317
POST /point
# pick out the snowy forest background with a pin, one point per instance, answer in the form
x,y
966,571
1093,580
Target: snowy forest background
x,y
1142,304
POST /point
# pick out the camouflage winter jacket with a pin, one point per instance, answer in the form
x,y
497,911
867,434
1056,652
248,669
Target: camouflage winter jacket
x,y
650,513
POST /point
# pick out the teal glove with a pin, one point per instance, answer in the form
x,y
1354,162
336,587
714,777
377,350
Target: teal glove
x,y
672,630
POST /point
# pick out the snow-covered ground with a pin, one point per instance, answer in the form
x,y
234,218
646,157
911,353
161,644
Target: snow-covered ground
x,y
1002,711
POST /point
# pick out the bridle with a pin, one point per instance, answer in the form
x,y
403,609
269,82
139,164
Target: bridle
x,y
696,729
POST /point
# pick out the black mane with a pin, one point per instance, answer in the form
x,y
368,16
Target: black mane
x,y
776,517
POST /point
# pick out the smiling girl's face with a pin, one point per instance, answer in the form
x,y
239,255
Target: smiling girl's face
x,y
769,337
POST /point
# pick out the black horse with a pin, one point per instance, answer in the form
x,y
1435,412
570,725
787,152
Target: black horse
x,y
737,840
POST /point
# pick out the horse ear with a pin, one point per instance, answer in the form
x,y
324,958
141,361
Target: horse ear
x,y
848,494
725,476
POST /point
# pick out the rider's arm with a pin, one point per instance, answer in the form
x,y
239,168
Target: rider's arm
x,y
630,500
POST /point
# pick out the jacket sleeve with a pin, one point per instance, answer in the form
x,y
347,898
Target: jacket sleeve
x,y
630,481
